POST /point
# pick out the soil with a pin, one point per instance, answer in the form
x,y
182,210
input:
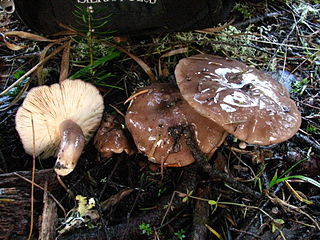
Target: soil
x,y
260,192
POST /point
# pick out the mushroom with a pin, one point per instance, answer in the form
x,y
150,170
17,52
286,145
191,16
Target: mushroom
x,y
62,117
160,107
111,138
246,102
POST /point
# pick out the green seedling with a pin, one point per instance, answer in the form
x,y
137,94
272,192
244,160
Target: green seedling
x,y
91,52
17,89
161,191
17,74
276,225
312,129
299,87
146,229
187,196
180,234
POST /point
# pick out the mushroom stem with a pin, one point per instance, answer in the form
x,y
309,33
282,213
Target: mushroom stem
x,y
72,142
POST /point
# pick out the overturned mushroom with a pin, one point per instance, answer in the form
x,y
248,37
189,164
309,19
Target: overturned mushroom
x,y
160,108
111,138
243,100
62,117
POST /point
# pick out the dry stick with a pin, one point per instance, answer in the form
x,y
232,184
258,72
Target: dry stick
x,y
64,67
285,45
258,19
108,179
216,29
201,214
299,138
168,209
117,110
242,232
3,162
169,54
57,50
49,217
71,194
212,172
309,105
32,178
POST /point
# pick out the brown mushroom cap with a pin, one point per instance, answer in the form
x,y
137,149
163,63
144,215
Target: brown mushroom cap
x,y
243,100
111,138
70,111
150,116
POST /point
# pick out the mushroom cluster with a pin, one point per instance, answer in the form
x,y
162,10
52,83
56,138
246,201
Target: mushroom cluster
x,y
215,96
58,120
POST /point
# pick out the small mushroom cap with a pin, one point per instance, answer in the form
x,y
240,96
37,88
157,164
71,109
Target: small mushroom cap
x,y
46,107
243,100
150,116
111,138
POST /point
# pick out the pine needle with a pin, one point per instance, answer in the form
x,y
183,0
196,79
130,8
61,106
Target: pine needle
x,y
32,179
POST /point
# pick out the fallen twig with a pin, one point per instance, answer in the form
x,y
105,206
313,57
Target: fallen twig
x,y
201,215
258,19
212,172
299,138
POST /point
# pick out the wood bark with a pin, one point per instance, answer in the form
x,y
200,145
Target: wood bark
x,y
15,202
49,218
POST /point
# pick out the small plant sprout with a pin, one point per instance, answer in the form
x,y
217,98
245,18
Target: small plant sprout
x,y
20,87
276,225
312,129
146,229
161,191
180,234
186,196
91,50
299,87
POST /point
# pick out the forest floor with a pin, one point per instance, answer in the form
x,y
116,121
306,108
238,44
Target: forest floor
x,y
269,192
